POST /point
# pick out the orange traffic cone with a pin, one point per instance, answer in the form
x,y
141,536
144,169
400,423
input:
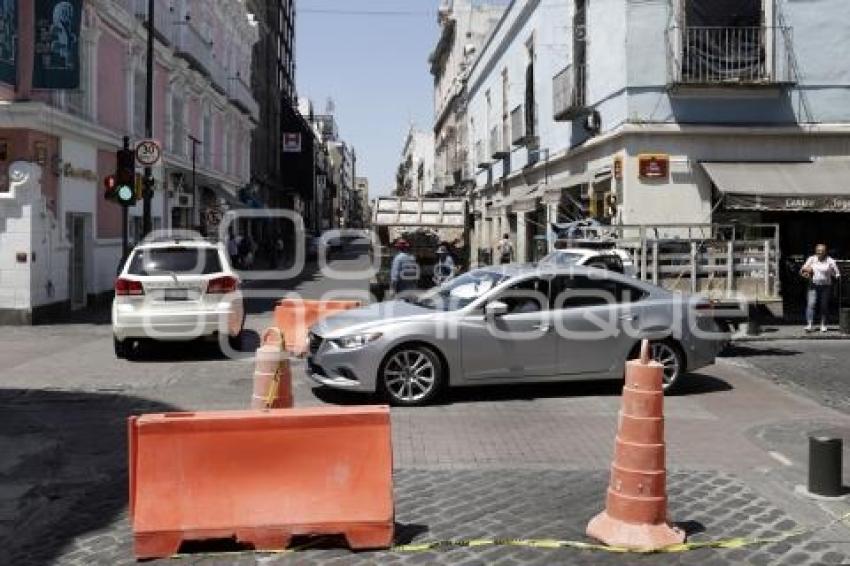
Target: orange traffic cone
x,y
635,513
272,376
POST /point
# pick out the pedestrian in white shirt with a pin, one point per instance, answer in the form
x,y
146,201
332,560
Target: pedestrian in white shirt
x,y
820,270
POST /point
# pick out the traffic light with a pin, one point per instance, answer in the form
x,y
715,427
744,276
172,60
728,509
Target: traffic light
x,y
109,183
125,177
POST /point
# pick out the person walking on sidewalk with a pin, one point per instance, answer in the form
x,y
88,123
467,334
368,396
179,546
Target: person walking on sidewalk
x,y
505,249
404,272
820,270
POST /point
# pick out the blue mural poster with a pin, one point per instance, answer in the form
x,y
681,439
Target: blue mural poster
x,y
8,41
57,44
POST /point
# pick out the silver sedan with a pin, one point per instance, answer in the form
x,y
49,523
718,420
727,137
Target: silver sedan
x,y
511,324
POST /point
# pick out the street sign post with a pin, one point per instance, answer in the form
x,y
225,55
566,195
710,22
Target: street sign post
x,y
148,153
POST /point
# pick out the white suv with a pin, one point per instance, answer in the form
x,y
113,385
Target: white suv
x,y
176,290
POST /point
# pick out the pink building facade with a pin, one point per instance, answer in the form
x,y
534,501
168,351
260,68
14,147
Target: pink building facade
x,y
60,241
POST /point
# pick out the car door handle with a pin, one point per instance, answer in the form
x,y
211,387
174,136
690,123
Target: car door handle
x,y
629,317
542,327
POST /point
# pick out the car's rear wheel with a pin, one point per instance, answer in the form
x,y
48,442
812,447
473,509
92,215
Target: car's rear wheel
x,y
411,375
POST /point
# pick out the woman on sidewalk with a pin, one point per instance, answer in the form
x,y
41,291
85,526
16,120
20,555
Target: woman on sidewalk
x,y
820,270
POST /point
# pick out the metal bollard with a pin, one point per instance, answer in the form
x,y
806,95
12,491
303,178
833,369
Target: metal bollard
x,y
844,320
825,466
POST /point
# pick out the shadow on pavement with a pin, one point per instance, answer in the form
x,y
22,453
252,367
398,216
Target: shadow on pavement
x,y
65,462
738,350
200,350
695,384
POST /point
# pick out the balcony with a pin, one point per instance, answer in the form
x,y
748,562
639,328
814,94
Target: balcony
x,y
193,47
730,56
481,159
569,88
498,150
522,133
162,18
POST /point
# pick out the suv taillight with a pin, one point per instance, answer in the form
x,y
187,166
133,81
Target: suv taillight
x,y
125,287
221,285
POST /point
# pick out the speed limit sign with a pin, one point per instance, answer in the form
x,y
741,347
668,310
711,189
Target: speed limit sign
x,y
148,153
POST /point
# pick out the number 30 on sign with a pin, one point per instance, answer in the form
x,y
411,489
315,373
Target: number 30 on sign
x,y
148,153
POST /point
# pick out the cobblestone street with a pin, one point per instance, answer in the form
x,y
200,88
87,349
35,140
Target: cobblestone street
x,y
528,461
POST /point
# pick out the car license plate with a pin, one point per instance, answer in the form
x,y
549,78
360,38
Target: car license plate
x,y
176,294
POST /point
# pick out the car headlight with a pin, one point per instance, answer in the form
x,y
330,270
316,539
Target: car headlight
x,y
355,340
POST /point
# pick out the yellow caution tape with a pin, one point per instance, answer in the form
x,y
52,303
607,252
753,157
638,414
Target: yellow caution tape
x,y
555,544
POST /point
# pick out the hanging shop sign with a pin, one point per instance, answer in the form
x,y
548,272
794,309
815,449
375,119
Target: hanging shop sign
x,y
653,166
807,203
9,41
292,142
618,167
57,44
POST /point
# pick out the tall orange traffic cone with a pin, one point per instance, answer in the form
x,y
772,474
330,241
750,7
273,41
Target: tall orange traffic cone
x,y
635,513
272,376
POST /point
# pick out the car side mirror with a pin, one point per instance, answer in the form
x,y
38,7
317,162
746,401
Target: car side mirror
x,y
495,309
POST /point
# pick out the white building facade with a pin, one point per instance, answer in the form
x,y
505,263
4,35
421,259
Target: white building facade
x,y
416,170
652,113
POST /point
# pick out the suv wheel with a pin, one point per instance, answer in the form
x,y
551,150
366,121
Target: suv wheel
x,y
120,347
410,376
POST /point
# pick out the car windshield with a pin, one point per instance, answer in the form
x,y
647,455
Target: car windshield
x,y
561,258
461,291
176,260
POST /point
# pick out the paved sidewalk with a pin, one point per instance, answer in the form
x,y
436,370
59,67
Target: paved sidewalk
x,y
444,505
792,332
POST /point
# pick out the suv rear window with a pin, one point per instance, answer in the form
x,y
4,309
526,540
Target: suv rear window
x,y
164,261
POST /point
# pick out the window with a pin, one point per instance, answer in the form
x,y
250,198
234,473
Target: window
x,y
608,262
582,291
157,261
531,295
530,102
178,124
207,137
78,100
139,99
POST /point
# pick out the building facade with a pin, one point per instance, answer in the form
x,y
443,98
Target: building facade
x,y
415,175
60,240
464,27
739,116
361,213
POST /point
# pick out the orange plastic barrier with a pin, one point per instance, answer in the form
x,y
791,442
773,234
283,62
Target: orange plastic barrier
x,y
635,513
272,375
294,317
260,477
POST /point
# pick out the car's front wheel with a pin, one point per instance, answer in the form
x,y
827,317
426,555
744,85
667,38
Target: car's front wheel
x,y
411,375
669,355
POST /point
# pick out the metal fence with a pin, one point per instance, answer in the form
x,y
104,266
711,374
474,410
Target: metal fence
x,y
730,55
568,91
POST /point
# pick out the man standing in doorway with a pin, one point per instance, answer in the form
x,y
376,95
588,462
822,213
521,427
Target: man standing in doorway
x,y
505,249
820,270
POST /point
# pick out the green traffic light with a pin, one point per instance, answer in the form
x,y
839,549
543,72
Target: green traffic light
x,y
125,194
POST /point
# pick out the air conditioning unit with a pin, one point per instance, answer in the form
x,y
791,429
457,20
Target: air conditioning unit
x,y
184,200
593,122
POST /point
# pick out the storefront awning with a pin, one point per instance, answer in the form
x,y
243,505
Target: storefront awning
x,y
818,186
230,199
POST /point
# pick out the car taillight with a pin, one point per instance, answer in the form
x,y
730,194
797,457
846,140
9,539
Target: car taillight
x,y
125,287
221,285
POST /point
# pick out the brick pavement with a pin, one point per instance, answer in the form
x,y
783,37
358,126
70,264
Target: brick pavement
x,y
442,505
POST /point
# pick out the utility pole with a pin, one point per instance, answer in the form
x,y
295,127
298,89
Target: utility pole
x,y
147,192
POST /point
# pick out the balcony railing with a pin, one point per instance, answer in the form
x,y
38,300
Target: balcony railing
x,y
522,134
163,18
481,159
192,46
569,92
724,56
498,149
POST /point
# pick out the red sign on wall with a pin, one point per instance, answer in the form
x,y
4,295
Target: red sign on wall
x,y
653,166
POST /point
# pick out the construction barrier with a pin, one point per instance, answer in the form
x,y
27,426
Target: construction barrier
x,y
272,375
294,317
635,513
260,477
